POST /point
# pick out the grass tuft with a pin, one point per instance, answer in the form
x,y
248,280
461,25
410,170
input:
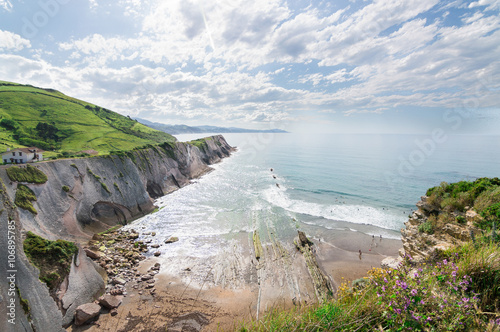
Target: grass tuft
x,y
53,258
24,198
28,174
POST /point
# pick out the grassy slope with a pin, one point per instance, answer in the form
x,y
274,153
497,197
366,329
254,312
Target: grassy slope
x,y
85,125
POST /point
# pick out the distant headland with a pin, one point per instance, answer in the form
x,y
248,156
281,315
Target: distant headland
x,y
184,129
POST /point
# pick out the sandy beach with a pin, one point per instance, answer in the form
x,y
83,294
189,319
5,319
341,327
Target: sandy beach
x,y
239,287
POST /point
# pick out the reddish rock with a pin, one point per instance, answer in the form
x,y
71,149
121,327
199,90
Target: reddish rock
x,y
92,254
86,312
109,301
116,291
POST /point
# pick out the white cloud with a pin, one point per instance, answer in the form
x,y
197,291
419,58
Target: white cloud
x,y
338,77
12,42
93,4
6,5
351,112
490,4
242,60
315,79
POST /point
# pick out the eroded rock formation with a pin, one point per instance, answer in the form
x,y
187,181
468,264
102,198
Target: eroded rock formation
x,y
81,197
423,244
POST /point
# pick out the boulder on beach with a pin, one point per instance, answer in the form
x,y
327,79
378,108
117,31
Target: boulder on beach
x,y
172,239
119,281
92,254
109,301
86,312
133,236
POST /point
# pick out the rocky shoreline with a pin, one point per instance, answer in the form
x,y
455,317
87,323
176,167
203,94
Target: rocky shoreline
x,y
79,198
119,254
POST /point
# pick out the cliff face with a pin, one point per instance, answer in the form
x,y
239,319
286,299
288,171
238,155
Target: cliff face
x,y
83,196
423,238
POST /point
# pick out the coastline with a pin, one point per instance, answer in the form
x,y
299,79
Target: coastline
x,y
228,285
225,306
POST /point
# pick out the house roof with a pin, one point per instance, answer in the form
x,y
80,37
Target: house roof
x,y
25,150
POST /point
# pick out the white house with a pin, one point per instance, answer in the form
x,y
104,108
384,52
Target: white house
x,y
22,155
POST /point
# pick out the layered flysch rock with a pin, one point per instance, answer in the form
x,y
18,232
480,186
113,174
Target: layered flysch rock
x,y
81,197
422,245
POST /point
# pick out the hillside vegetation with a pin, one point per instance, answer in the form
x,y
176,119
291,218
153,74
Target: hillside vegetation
x,y
53,258
458,290
52,121
452,201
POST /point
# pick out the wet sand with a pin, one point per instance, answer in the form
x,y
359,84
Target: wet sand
x,y
341,260
238,287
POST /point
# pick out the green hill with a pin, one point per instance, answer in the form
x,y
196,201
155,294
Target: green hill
x,y
52,121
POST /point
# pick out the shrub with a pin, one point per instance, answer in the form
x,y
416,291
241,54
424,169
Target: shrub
x,y
461,219
436,300
487,198
482,263
28,174
38,143
426,227
24,198
199,143
53,258
483,194
490,215
65,188
9,124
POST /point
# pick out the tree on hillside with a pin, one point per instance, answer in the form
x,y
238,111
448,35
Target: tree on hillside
x,y
9,124
47,131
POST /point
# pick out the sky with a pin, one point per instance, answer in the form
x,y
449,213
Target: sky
x,y
344,66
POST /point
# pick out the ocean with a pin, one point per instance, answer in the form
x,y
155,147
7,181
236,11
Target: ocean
x,y
326,185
